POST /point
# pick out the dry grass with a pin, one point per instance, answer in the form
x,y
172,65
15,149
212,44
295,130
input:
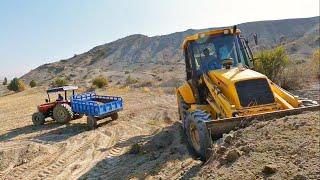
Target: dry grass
x,y
298,76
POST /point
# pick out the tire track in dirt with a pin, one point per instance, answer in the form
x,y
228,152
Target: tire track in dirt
x,y
69,158
112,157
20,171
58,166
50,165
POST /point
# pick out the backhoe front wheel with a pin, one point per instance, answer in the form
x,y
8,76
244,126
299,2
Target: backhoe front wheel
x,y
198,134
38,118
62,113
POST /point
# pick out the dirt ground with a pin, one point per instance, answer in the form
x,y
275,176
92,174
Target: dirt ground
x,y
286,148
70,151
146,142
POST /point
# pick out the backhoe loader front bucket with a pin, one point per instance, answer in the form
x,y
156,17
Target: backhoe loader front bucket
x,y
219,126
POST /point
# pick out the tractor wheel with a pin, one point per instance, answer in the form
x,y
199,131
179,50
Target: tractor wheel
x,y
198,134
183,109
62,113
38,118
92,122
114,116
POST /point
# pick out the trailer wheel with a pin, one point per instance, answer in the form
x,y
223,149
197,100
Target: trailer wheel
x,y
198,134
92,122
114,116
77,116
183,107
38,118
62,113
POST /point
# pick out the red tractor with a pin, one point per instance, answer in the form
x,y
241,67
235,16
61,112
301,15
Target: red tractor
x,y
59,110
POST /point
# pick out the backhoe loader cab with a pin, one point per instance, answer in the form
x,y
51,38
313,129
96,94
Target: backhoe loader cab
x,y
215,49
223,93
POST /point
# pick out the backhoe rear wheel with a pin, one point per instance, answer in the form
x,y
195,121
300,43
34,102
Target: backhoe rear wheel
x,y
38,118
198,134
62,113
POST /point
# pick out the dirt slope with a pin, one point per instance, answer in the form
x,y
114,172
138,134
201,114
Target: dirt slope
x,y
288,146
146,142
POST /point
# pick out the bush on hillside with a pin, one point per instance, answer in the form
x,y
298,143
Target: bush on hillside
x,y
59,82
272,62
16,85
100,81
33,83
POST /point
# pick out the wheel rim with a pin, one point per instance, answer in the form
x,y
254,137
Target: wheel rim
x,y
61,114
194,137
37,119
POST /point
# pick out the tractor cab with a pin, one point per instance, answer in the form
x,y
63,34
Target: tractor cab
x,y
215,49
64,90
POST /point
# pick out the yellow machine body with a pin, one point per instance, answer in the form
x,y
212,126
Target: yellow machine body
x,y
223,100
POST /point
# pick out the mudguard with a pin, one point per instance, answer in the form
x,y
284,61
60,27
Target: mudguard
x,y
187,94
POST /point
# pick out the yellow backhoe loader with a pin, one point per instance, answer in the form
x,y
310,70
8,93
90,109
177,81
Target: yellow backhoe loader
x,y
223,92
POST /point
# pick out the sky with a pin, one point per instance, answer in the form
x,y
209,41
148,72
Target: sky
x,y
35,32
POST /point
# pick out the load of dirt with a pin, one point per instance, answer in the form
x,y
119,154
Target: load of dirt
x,y
286,148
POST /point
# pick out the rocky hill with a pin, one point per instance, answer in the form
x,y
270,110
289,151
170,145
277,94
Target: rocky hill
x,y
153,58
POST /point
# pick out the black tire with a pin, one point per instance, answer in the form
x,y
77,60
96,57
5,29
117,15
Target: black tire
x,y
183,109
114,116
198,134
62,113
38,118
91,122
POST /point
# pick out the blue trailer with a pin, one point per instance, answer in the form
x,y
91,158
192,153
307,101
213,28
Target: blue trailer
x,y
96,107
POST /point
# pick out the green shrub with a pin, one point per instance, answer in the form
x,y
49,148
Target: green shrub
x,y
59,82
33,83
100,81
5,81
272,62
16,85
